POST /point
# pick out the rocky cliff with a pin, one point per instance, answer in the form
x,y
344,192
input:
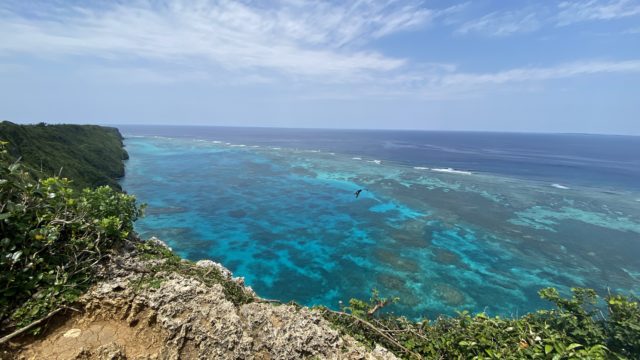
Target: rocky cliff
x,y
152,305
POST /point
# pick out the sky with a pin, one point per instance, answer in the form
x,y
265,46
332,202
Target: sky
x,y
526,66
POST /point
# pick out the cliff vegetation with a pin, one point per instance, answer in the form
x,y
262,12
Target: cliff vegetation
x,y
582,326
51,238
91,155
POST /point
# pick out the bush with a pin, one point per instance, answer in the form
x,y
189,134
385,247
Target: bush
x,y
51,236
575,329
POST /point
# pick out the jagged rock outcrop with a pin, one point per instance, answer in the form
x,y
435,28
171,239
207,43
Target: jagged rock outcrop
x,y
139,312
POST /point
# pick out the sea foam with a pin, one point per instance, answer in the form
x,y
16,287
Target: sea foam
x,y
452,171
558,186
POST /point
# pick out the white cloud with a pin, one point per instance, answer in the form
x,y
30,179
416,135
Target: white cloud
x,y
502,23
533,18
446,82
466,81
586,10
294,38
294,42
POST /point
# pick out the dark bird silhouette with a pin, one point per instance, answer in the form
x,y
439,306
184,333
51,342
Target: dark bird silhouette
x,y
357,193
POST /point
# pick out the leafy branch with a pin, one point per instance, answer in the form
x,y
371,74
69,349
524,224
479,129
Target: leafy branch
x,y
51,238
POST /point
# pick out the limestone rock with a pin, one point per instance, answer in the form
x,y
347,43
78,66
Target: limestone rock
x,y
154,240
142,314
111,351
212,264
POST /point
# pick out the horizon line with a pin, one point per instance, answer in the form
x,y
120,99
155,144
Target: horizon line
x,y
334,129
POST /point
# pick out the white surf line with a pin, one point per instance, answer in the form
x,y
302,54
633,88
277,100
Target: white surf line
x,y
558,186
452,171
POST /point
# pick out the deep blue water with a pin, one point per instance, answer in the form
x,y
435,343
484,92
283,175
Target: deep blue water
x,y
277,207
603,161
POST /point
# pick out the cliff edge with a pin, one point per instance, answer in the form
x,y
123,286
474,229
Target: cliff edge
x,y
150,304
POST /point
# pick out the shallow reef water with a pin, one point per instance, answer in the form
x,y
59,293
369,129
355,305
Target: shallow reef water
x,y
288,221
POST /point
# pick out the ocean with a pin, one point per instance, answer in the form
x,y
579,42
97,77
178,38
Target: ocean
x,y
446,221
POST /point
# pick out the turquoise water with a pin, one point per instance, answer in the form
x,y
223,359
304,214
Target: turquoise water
x,y
287,220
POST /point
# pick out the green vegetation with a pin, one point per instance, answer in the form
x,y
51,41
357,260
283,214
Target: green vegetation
x,y
90,155
575,329
51,237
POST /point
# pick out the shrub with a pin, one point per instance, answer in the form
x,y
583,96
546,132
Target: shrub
x,y
574,329
51,236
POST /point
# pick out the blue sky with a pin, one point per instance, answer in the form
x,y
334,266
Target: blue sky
x,y
544,66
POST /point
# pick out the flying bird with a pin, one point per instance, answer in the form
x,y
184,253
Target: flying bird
x,y
357,193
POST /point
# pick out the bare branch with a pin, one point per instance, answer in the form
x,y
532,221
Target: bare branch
x,y
380,332
33,324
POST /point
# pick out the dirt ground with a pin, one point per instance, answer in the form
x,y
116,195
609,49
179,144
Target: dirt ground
x,y
81,337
